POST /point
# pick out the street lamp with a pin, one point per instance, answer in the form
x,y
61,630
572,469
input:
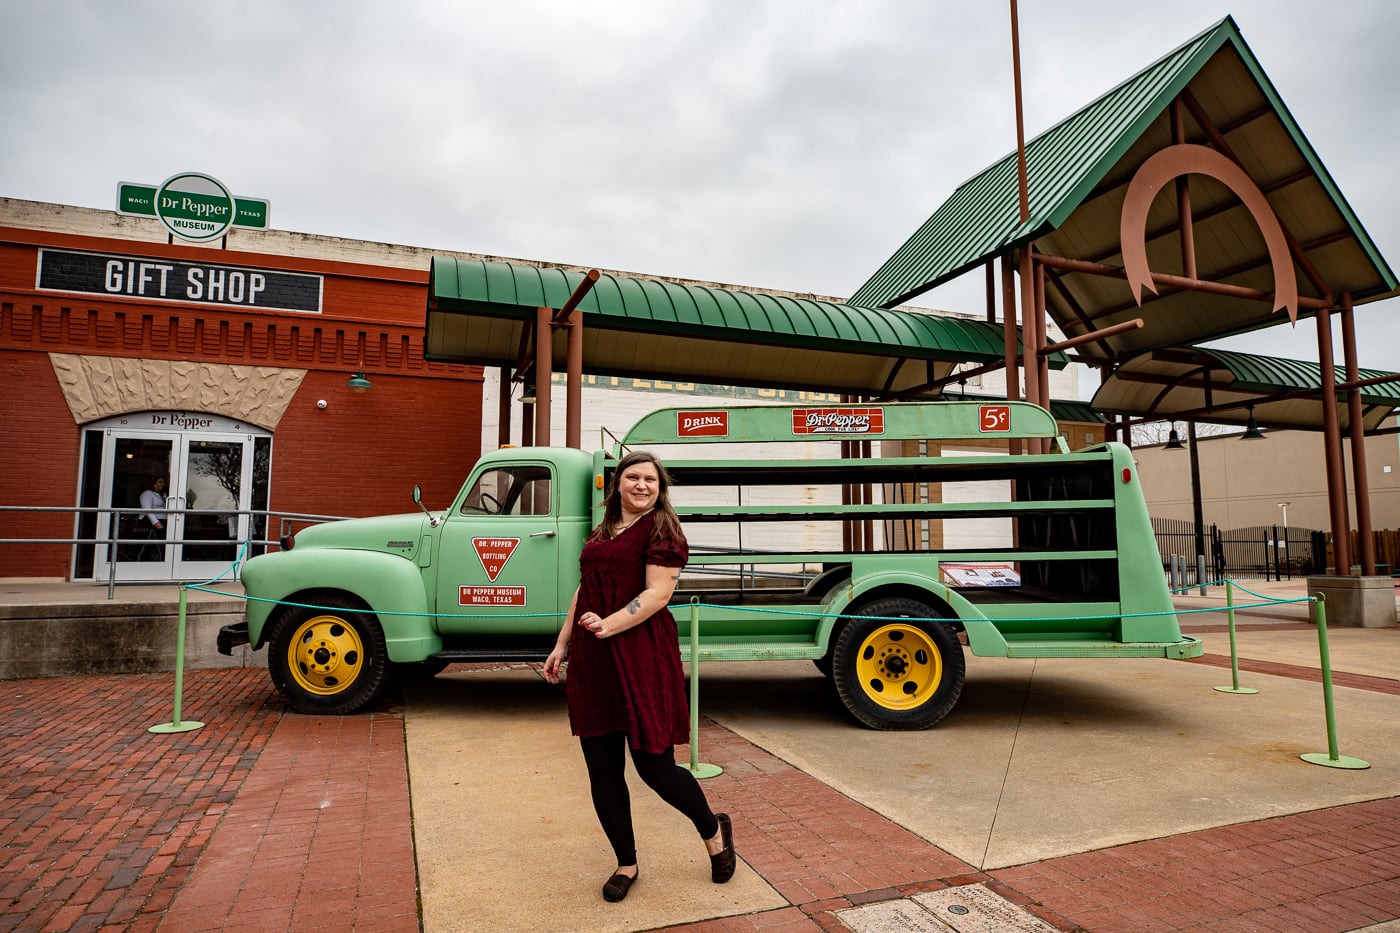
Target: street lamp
x,y
1284,506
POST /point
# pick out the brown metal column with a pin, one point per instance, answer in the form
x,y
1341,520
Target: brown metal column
x,y
1030,338
544,371
503,409
1042,360
1365,545
1009,336
867,495
573,385
1332,450
991,291
1183,198
1197,512
847,534
570,317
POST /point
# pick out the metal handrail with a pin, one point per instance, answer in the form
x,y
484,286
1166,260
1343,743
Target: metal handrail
x,y
285,520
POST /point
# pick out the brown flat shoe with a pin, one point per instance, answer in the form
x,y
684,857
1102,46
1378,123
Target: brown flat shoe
x,y
616,887
722,865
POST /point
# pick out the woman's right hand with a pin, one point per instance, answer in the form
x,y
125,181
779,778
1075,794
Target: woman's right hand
x,y
552,663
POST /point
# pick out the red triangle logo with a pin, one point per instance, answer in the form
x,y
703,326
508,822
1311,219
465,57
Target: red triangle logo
x,y
493,554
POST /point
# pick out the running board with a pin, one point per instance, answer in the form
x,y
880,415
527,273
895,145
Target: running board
x,y
478,655
753,651
1052,648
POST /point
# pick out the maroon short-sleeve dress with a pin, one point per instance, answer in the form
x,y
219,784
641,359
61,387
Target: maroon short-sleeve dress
x,y
632,682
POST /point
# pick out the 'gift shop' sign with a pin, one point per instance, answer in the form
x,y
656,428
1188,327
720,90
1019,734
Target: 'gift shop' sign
x,y
152,279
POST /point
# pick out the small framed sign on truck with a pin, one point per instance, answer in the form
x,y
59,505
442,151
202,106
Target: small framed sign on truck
x,y
885,613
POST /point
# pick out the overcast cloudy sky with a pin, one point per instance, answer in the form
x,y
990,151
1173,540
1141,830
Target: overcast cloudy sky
x,y
790,144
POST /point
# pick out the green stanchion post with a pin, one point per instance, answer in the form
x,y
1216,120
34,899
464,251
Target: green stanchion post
x,y
1234,653
175,724
1331,759
696,767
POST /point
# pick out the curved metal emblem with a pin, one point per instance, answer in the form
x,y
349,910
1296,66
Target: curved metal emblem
x,y
1184,159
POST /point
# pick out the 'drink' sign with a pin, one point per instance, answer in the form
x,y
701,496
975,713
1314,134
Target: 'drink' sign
x,y
192,206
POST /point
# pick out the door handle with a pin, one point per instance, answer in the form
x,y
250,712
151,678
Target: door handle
x,y
543,534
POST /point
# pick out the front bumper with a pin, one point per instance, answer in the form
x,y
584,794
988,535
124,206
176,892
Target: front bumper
x,y
231,636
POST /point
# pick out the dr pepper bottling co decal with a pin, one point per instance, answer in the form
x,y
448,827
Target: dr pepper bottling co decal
x,y
838,421
493,554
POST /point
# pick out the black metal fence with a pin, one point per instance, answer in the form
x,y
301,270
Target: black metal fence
x,y
1267,552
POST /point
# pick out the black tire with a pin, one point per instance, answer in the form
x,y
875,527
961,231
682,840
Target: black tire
x,y
901,670
328,661
823,664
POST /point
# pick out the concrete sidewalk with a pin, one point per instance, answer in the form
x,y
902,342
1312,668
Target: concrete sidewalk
x,y
1096,795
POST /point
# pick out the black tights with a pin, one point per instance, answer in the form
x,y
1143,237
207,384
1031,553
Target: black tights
x,y
672,783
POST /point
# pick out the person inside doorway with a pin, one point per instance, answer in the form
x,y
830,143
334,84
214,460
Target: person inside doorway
x,y
150,524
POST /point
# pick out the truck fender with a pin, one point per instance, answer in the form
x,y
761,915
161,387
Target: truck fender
x,y
389,585
983,637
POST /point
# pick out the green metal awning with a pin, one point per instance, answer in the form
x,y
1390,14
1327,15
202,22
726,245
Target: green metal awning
x,y
1078,174
482,312
1180,382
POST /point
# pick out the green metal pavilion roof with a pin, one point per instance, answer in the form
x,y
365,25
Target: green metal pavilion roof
x,y
1078,173
1171,382
481,311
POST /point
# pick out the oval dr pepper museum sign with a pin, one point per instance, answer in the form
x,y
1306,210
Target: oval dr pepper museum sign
x,y
192,206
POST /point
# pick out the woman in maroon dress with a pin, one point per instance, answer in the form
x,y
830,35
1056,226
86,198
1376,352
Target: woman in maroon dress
x,y
625,686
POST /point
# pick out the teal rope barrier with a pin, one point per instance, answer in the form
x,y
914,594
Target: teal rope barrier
x,y
1330,759
752,609
204,588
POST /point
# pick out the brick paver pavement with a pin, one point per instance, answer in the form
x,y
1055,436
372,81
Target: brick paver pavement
x,y
102,824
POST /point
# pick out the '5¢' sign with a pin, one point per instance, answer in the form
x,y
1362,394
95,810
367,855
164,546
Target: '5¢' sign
x,y
994,418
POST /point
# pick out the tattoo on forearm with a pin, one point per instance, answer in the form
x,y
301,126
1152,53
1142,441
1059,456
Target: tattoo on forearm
x,y
634,606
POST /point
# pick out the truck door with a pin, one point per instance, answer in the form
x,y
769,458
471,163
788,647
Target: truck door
x,y
498,570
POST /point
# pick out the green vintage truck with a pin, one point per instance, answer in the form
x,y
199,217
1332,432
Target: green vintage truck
x,y
862,564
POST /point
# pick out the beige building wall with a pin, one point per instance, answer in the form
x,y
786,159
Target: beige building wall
x,y
1244,482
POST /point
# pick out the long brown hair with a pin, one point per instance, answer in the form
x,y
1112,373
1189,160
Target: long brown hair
x,y
665,520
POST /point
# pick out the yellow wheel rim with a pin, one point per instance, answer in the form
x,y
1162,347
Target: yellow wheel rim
x,y
899,666
325,655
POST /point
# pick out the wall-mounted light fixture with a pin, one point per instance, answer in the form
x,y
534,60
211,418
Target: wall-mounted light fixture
x,y
1251,428
358,383
527,395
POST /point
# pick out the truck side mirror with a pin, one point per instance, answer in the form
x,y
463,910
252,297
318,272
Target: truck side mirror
x,y
418,498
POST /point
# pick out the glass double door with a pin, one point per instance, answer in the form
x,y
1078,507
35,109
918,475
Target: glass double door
x,y
185,498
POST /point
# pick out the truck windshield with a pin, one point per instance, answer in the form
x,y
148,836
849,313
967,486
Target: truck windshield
x,y
510,490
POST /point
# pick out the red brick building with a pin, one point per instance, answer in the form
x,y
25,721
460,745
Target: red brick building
x,y
223,369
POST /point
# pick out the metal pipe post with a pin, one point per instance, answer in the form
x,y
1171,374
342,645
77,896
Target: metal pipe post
x,y
175,725
696,767
1331,759
1234,652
